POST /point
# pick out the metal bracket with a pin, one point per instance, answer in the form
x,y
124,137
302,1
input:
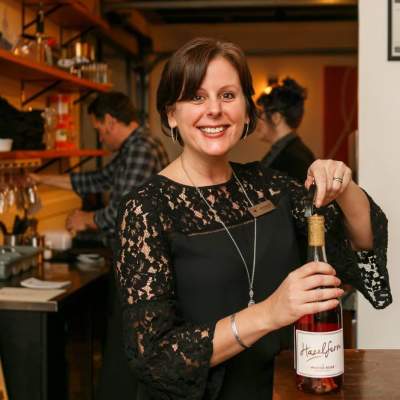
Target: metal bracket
x,y
68,170
39,93
46,164
81,162
77,36
83,96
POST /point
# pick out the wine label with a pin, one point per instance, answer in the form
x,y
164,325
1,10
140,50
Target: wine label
x,y
319,354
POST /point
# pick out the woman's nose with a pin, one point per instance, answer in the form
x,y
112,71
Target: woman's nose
x,y
214,107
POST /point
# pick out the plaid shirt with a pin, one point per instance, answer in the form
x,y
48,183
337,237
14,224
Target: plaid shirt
x,y
139,157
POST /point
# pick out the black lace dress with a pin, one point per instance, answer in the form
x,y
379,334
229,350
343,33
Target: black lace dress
x,y
179,273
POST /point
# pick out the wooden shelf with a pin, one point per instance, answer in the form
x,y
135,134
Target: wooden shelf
x,y
74,14
47,154
25,69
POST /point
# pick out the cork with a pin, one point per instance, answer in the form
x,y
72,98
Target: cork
x,y
316,230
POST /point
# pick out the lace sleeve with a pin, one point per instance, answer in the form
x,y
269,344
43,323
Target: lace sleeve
x,y
170,356
365,270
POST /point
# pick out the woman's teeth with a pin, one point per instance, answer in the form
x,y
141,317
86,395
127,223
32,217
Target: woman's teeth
x,y
217,129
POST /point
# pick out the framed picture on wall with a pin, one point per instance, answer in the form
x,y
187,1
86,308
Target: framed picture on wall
x,y
394,30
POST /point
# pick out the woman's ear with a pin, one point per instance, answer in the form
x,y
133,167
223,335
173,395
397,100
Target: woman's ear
x,y
171,117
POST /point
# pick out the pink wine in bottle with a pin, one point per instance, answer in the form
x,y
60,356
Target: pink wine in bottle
x,y
319,355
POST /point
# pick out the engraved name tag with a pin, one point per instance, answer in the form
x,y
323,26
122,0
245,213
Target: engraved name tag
x,y
261,208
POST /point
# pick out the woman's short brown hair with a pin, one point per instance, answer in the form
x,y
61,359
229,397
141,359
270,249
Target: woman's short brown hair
x,y
185,70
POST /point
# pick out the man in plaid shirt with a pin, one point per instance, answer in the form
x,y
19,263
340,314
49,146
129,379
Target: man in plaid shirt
x,y
138,156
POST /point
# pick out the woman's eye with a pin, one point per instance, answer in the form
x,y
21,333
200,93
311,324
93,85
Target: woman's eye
x,y
197,98
228,96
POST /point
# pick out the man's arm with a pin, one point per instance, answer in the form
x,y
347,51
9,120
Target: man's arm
x,y
60,181
81,182
94,181
80,220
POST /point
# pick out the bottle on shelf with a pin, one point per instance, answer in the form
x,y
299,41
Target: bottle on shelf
x,y
319,353
37,47
64,121
40,40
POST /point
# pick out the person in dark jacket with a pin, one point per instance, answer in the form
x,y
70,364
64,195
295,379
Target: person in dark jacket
x,y
282,113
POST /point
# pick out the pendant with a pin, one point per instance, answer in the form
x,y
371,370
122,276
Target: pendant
x,y
251,301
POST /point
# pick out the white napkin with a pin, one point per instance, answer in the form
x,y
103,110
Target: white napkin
x,y
34,283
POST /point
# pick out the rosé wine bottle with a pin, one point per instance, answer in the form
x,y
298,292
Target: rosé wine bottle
x,y
319,355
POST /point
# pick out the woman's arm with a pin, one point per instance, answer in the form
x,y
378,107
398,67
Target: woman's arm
x,y
355,207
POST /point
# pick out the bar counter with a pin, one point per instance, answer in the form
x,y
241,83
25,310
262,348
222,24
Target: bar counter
x,y
47,347
369,375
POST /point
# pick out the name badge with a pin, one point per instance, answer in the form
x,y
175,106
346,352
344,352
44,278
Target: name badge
x,y
261,208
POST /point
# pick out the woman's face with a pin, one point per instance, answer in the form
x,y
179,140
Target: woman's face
x,y
212,122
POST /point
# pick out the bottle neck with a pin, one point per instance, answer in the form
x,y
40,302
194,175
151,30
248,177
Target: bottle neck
x,y
40,23
316,253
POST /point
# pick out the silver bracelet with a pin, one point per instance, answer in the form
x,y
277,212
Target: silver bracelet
x,y
236,333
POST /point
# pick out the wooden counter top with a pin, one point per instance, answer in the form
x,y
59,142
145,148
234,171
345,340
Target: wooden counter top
x,y
81,278
369,375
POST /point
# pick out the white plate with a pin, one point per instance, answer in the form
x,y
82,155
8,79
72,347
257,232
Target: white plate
x,y
90,258
34,283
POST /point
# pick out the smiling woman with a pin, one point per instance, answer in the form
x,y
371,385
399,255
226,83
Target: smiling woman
x,y
183,78
214,119
206,247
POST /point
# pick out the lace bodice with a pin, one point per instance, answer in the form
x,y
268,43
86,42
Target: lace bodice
x,y
171,355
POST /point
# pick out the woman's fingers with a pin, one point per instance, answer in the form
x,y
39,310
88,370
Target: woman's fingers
x,y
320,280
313,268
316,307
341,176
323,294
331,178
309,181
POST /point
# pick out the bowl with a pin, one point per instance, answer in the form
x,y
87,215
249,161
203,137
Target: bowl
x,y
5,144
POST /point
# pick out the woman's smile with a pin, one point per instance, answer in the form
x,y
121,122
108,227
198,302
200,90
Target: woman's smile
x,y
213,132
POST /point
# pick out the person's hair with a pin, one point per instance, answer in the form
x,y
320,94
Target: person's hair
x,y
117,104
185,70
287,99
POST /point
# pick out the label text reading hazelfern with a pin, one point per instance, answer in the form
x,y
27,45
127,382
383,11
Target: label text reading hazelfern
x,y
319,354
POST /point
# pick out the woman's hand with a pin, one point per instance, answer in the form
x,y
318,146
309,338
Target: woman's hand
x,y
331,178
301,293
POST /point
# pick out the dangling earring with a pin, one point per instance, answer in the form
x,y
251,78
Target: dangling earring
x,y
246,131
174,135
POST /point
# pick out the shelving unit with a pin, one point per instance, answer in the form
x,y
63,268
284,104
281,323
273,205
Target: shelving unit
x,y
19,68
73,14
41,159
8,164
48,154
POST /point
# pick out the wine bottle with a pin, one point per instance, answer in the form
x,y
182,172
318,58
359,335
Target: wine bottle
x,y
39,37
319,355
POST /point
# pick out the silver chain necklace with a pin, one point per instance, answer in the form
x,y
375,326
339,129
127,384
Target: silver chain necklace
x,y
250,278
